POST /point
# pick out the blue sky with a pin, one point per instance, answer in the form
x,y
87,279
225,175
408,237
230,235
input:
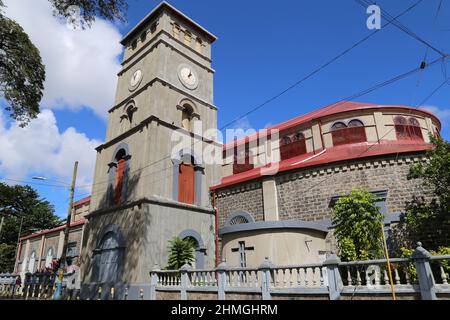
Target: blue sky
x,y
264,47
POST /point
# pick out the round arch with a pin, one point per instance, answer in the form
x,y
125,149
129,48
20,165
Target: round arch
x,y
236,214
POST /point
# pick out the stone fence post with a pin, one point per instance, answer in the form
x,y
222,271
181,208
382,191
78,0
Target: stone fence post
x,y
154,281
264,270
335,284
421,258
221,280
184,281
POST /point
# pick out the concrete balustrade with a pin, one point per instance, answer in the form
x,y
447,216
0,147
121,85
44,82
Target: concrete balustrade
x,y
420,276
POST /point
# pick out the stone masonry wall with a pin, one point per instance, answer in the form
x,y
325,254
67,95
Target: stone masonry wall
x,y
247,197
306,195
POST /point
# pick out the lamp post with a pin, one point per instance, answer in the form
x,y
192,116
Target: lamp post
x,y
62,262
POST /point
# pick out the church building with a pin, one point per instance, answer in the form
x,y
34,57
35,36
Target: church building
x,y
322,155
149,188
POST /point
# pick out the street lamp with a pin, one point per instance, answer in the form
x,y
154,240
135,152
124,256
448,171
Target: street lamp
x,y
66,230
47,179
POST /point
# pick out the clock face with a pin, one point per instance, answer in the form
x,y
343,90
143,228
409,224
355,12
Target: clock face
x,y
136,78
188,77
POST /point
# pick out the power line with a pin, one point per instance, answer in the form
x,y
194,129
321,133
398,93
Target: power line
x,y
317,70
34,183
433,92
323,66
403,28
336,104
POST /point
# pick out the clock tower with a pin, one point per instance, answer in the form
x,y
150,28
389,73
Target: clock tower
x,y
148,188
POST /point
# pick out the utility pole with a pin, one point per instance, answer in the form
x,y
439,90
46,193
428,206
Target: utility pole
x,y
1,224
69,214
66,233
18,244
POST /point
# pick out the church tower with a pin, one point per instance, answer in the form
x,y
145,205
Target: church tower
x,y
147,188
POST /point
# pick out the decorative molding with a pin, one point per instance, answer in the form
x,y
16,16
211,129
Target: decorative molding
x,y
153,44
144,123
150,200
298,174
164,83
321,226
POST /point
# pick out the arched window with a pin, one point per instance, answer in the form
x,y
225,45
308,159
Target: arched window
x,y
238,217
292,146
238,220
200,250
187,38
144,36
354,132
407,129
32,262
49,258
242,159
186,181
415,129
153,28
131,109
176,31
187,117
134,44
199,45
118,176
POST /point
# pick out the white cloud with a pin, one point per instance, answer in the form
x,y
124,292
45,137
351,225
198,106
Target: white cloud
x,y
81,65
41,149
441,113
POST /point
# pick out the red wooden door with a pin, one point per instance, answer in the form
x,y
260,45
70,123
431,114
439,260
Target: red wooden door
x,y
186,184
119,181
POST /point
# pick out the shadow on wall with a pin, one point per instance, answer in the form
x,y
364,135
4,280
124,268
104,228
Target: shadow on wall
x,y
113,240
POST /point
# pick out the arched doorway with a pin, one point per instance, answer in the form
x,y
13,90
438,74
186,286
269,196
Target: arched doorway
x,y
108,256
108,259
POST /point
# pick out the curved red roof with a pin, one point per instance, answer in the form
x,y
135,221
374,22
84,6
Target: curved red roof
x,y
331,155
340,107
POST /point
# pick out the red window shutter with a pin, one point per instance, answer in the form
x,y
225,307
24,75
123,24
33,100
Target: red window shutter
x,y
186,184
408,132
119,181
238,166
293,149
349,135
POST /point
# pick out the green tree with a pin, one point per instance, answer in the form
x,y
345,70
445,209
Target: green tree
x,y
7,255
22,73
428,219
357,221
181,251
17,202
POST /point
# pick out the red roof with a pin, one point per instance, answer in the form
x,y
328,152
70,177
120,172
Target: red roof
x,y
340,107
41,233
334,154
82,201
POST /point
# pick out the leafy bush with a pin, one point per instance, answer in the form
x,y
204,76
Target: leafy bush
x,y
358,221
181,252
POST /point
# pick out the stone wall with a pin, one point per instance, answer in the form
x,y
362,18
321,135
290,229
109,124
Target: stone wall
x,y
306,195
247,197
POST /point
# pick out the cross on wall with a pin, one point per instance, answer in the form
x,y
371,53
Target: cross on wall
x,y
242,253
